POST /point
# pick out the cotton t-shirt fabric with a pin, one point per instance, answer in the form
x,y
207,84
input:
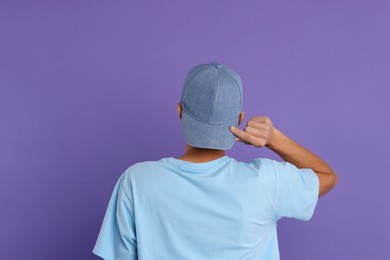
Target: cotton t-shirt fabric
x,y
220,209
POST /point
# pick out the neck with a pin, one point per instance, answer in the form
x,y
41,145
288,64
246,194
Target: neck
x,y
199,155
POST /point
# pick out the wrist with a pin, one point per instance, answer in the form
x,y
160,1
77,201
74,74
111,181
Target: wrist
x,y
276,136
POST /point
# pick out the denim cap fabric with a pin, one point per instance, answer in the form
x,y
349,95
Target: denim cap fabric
x,y
212,102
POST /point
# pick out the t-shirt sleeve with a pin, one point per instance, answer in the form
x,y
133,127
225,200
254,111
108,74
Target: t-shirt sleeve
x,y
117,236
295,191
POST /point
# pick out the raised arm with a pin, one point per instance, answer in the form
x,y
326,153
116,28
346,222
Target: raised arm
x,y
260,132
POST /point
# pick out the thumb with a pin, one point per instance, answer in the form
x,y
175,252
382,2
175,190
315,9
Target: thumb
x,y
242,136
233,129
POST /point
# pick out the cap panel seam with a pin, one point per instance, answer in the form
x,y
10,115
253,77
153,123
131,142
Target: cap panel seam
x,y
215,96
189,79
239,90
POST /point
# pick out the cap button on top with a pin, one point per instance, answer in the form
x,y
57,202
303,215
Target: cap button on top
x,y
218,66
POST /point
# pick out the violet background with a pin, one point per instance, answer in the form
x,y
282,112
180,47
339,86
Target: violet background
x,y
87,88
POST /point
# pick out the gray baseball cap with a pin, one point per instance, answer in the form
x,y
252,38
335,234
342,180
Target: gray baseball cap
x,y
211,102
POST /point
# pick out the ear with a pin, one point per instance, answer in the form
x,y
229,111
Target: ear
x,y
241,118
179,109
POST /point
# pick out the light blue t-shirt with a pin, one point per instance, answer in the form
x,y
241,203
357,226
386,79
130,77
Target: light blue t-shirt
x,y
221,209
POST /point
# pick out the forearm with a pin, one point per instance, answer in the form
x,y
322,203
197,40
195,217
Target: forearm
x,y
296,154
261,132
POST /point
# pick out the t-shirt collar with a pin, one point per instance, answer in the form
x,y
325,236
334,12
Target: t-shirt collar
x,y
192,165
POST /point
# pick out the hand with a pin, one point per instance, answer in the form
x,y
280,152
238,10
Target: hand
x,y
258,132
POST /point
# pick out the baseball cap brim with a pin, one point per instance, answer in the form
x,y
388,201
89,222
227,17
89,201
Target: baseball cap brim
x,y
203,135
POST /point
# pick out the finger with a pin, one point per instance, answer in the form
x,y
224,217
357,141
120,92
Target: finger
x,y
260,119
253,131
241,141
255,124
245,136
259,133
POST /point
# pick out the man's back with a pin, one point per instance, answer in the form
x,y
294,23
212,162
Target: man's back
x,y
220,209
206,205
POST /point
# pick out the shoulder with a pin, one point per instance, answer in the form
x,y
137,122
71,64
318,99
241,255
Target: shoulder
x,y
262,163
257,166
141,169
271,165
143,165
269,169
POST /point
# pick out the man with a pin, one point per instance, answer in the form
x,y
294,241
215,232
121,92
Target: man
x,y
205,204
